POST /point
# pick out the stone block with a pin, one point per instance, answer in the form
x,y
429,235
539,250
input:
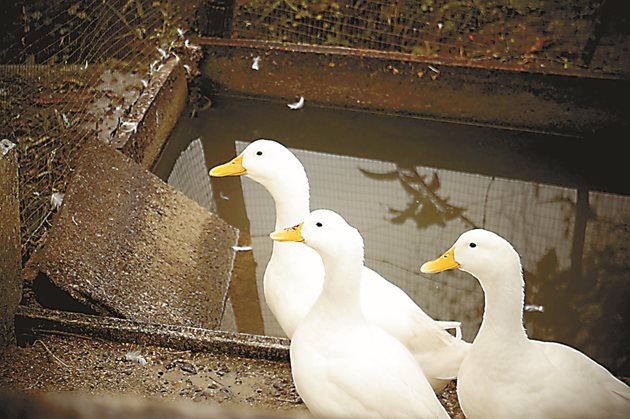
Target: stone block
x,y
124,243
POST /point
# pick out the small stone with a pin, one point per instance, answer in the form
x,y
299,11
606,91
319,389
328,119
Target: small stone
x,y
188,367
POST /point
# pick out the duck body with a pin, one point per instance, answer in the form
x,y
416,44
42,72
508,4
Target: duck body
x,y
290,289
538,380
294,275
335,373
343,365
507,375
438,352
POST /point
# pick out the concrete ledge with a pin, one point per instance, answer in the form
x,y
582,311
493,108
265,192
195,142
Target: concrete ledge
x,y
168,336
52,357
153,116
78,405
577,103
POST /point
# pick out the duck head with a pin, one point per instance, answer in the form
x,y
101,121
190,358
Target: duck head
x,y
482,253
325,231
264,161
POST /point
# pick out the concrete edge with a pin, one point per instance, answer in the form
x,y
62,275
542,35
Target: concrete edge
x,y
576,104
10,247
153,116
39,320
402,56
82,405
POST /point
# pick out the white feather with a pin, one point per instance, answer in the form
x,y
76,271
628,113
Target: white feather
x,y
242,248
56,199
297,105
135,356
163,54
256,64
6,146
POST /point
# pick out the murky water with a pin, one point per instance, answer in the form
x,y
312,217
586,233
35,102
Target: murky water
x,y
411,186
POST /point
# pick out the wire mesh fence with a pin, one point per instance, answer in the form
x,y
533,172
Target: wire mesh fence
x,y
396,209
69,71
560,33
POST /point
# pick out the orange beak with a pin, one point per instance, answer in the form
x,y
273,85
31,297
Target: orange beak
x,y
291,234
232,168
445,262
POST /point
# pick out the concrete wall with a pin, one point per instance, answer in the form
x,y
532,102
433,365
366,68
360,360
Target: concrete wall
x,y
576,103
10,257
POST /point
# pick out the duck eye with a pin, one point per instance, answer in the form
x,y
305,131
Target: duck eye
x,y
318,224
259,153
473,245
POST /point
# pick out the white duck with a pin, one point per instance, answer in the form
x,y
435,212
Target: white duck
x,y
294,275
343,365
507,375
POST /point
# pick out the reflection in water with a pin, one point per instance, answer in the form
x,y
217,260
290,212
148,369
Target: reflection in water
x,y
425,206
573,241
393,250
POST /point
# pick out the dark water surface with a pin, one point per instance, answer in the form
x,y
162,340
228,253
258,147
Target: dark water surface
x,y
411,186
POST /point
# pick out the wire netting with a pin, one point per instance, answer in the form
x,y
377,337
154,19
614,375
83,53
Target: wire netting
x,y
403,226
69,71
560,33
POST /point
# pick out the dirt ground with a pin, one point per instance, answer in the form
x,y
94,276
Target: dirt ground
x,y
99,367
64,363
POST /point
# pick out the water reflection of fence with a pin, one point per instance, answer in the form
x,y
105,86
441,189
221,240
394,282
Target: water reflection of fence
x,y
190,175
539,219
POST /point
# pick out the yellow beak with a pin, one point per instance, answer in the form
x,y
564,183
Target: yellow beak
x,y
291,234
232,168
445,262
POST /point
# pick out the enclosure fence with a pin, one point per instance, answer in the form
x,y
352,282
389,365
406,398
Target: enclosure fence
x,y
70,70
557,33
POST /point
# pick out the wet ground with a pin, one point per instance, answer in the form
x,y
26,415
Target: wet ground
x,y
412,186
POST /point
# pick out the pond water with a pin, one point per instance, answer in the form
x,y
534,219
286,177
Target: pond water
x,y
411,186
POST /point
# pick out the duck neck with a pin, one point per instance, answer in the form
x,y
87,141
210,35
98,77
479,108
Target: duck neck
x,y
291,196
503,313
342,283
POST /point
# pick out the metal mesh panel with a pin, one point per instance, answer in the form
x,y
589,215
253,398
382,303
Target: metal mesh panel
x,y
377,197
558,33
190,175
69,71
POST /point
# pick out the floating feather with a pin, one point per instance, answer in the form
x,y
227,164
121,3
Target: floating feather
x,y
297,105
